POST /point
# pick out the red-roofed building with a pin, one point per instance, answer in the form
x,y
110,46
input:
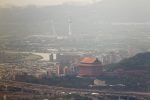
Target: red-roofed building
x,y
89,66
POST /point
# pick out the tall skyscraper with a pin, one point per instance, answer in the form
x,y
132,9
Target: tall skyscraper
x,y
53,28
69,25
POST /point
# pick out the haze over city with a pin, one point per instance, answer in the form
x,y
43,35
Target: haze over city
x,y
74,49
45,2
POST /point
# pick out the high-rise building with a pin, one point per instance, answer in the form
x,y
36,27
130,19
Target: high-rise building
x,y
53,28
69,27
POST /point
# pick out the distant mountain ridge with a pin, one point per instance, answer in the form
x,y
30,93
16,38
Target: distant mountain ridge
x,y
85,19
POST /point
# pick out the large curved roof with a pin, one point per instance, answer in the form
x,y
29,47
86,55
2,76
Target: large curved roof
x,y
89,60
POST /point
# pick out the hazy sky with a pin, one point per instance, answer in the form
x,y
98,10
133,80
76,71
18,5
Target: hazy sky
x,y
44,2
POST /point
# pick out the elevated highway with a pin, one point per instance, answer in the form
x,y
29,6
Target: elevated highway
x,y
23,88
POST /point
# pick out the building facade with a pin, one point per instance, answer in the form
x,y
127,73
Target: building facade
x,y
89,66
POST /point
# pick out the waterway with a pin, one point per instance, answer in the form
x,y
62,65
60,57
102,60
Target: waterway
x,y
45,56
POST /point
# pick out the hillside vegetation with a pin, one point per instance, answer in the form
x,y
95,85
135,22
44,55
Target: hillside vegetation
x,y
140,61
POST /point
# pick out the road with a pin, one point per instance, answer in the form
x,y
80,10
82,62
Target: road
x,y
53,90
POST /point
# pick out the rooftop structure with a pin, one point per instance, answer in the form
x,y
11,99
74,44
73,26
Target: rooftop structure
x,y
89,66
89,60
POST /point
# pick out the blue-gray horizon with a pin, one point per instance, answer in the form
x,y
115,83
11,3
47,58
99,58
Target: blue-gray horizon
x,y
10,3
